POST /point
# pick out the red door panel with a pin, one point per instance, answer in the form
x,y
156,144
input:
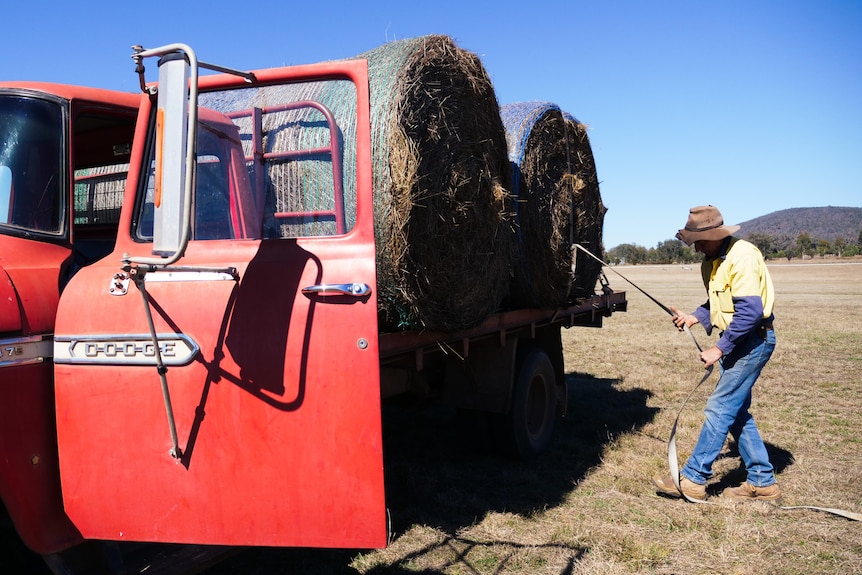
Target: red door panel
x,y
275,393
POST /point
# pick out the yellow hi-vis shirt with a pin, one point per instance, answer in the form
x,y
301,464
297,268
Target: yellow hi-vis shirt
x,y
740,291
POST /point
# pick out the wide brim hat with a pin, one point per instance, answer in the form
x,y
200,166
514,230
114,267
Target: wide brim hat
x,y
705,223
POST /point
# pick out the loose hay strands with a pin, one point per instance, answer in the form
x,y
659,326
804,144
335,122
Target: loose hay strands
x,y
442,213
543,185
589,211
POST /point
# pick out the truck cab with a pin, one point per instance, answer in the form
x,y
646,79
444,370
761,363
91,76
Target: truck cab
x,y
64,155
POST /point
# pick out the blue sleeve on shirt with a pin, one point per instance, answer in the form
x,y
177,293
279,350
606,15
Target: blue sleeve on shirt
x,y
702,315
747,316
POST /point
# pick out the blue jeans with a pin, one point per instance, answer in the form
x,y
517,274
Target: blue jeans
x,y
727,412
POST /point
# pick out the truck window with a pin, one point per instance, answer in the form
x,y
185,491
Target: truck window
x,y
99,194
100,152
271,163
223,203
31,153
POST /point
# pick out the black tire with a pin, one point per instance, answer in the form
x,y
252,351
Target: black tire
x,y
533,415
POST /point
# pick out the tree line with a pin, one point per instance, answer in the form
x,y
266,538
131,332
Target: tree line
x,y
772,247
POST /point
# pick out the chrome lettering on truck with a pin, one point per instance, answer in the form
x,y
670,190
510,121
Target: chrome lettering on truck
x,y
127,349
24,350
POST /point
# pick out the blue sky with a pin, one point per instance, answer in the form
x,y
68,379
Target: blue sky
x,y
752,106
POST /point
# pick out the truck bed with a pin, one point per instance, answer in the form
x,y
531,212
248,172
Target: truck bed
x,y
587,312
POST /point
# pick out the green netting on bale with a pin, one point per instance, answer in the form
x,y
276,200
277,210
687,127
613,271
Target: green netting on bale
x,y
297,186
588,209
442,214
543,185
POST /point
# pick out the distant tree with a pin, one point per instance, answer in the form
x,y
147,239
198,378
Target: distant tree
x,y
764,242
823,248
839,244
632,254
851,251
803,245
785,243
859,240
670,251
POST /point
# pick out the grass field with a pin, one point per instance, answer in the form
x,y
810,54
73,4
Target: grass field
x,y
587,505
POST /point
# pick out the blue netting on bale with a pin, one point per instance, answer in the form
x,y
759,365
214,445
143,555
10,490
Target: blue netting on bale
x,y
543,188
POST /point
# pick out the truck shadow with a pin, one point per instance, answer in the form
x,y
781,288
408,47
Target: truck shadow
x,y
441,469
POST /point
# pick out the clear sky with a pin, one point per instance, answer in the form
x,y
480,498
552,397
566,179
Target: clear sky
x,y
752,106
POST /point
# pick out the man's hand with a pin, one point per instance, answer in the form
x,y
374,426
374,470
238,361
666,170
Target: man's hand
x,y
681,320
710,356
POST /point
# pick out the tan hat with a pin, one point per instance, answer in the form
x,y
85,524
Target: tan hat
x,y
705,223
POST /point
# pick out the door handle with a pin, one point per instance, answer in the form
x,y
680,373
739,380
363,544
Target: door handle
x,y
354,290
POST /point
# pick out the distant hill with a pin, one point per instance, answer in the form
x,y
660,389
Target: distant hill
x,y
825,223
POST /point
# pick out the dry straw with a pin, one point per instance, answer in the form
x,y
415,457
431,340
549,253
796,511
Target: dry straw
x,y
442,213
589,211
557,203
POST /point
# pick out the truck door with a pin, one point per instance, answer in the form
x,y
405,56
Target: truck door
x,y
265,429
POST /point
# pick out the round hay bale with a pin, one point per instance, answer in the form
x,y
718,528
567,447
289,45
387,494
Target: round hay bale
x,y
543,187
442,212
589,211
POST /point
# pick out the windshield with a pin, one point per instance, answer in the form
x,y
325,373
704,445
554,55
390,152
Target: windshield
x,y
30,159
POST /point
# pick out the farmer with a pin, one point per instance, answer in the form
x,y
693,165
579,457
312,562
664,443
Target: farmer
x,y
740,305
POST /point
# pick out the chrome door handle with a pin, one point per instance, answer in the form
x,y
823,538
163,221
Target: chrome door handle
x,y
354,290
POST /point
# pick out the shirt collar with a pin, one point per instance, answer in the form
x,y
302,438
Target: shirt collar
x,y
725,246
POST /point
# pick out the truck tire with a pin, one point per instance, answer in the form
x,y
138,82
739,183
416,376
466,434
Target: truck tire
x,y
530,422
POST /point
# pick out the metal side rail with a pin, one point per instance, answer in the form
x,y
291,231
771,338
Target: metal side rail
x,y
587,312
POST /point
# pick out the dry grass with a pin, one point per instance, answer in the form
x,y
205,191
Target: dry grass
x,y
587,505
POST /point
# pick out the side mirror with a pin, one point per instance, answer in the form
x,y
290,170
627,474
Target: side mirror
x,y
176,132
176,118
171,165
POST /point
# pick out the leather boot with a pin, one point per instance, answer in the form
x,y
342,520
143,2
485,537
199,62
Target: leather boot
x,y
748,492
692,490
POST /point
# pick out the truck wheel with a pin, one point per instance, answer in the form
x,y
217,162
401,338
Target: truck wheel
x,y
534,405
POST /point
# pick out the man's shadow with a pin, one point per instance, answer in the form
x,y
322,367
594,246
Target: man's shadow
x,y
780,458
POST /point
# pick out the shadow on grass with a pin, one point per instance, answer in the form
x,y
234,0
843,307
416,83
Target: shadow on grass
x,y
440,471
780,458
460,547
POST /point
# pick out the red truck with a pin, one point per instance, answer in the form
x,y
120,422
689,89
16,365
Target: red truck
x,y
218,376
64,154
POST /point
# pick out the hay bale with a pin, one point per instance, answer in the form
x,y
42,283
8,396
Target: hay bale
x,y
442,212
557,204
543,187
589,211
443,224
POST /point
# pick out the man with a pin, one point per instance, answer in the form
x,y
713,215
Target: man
x,y
739,305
